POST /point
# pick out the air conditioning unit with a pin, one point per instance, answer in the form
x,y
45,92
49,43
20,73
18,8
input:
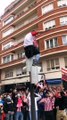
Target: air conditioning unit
x,y
50,27
40,77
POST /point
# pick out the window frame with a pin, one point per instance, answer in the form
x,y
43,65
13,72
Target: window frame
x,y
8,73
62,3
64,41
49,25
63,20
46,7
51,64
55,43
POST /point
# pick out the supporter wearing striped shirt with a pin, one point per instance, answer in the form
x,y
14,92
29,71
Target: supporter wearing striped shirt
x,y
48,106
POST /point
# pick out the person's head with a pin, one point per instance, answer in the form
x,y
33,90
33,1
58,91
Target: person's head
x,y
18,95
33,33
8,97
15,91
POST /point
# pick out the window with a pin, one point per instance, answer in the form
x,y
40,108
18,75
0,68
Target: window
x,y
8,32
64,39
52,64
7,46
21,71
8,74
65,59
8,20
63,20
51,43
21,55
49,25
62,3
8,58
48,8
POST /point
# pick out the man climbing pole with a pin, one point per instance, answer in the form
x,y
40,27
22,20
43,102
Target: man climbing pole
x,y
31,46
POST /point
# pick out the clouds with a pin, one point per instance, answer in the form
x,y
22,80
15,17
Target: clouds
x,y
3,5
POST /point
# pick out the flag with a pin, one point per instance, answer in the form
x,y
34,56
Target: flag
x,y
64,74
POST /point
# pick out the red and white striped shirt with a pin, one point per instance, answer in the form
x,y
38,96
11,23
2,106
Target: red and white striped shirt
x,y
48,103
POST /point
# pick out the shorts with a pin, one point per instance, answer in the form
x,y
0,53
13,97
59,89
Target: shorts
x,y
31,50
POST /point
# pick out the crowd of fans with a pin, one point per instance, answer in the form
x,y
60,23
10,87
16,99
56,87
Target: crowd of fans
x,y
50,103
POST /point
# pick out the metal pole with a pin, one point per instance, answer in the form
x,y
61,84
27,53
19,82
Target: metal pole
x,y
33,116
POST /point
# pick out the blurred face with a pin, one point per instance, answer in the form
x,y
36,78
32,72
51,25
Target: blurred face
x,y
1,106
18,95
50,94
27,92
47,95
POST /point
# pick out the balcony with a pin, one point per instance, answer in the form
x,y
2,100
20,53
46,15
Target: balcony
x,y
15,55
23,12
33,4
26,22
58,50
19,31
18,41
12,49
11,44
13,63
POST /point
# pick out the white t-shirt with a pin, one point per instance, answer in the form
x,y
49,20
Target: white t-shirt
x,y
28,40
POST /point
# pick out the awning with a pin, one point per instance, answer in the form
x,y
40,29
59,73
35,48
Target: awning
x,y
54,81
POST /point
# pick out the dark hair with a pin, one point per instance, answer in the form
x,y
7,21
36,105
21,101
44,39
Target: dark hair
x,y
62,93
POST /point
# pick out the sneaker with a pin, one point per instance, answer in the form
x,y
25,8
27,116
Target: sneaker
x,y
35,62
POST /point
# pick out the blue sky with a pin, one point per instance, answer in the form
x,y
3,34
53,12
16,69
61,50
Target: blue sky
x,y
3,5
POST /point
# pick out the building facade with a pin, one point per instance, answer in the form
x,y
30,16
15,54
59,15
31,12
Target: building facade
x,y
21,17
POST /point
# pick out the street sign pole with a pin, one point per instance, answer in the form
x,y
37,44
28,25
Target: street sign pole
x,y
33,73
33,116
32,77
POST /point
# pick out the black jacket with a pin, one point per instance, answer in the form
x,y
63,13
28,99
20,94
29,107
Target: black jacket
x,y
8,106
